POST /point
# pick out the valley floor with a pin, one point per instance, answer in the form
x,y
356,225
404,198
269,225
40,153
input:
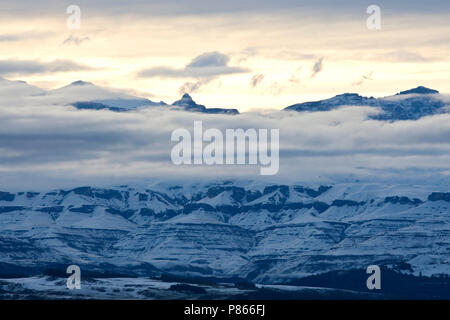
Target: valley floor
x,y
47,287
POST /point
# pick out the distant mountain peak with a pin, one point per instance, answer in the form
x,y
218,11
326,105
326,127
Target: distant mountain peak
x,y
80,83
13,81
19,87
186,99
188,104
419,90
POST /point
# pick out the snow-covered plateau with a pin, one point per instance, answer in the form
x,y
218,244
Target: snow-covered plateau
x,y
268,234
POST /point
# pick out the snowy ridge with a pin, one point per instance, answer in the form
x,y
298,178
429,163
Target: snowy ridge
x,y
266,233
86,95
410,104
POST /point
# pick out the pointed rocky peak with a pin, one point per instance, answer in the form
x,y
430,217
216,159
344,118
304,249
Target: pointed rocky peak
x,y
188,104
186,99
419,90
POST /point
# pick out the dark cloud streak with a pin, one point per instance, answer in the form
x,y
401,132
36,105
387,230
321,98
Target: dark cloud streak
x,y
318,66
26,67
206,65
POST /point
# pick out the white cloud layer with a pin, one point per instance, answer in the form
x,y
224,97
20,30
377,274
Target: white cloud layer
x,y
43,144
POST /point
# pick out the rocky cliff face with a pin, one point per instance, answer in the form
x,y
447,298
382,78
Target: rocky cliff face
x,y
411,104
266,233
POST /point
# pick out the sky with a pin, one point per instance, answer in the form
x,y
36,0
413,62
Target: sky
x,y
256,56
250,55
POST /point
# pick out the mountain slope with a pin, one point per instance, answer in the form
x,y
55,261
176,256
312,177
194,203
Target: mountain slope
x,y
18,88
407,105
266,233
86,95
90,96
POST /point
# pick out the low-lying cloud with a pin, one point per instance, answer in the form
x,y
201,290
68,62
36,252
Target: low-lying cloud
x,y
57,145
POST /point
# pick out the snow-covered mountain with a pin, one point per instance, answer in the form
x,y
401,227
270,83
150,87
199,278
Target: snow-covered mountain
x,y
411,104
265,233
187,104
86,95
18,88
98,98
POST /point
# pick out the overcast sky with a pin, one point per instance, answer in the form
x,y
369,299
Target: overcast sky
x,y
244,54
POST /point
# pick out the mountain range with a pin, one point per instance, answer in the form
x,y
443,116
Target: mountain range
x,y
410,104
86,95
263,233
269,234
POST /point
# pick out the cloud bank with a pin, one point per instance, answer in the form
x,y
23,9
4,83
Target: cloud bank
x,y
57,146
